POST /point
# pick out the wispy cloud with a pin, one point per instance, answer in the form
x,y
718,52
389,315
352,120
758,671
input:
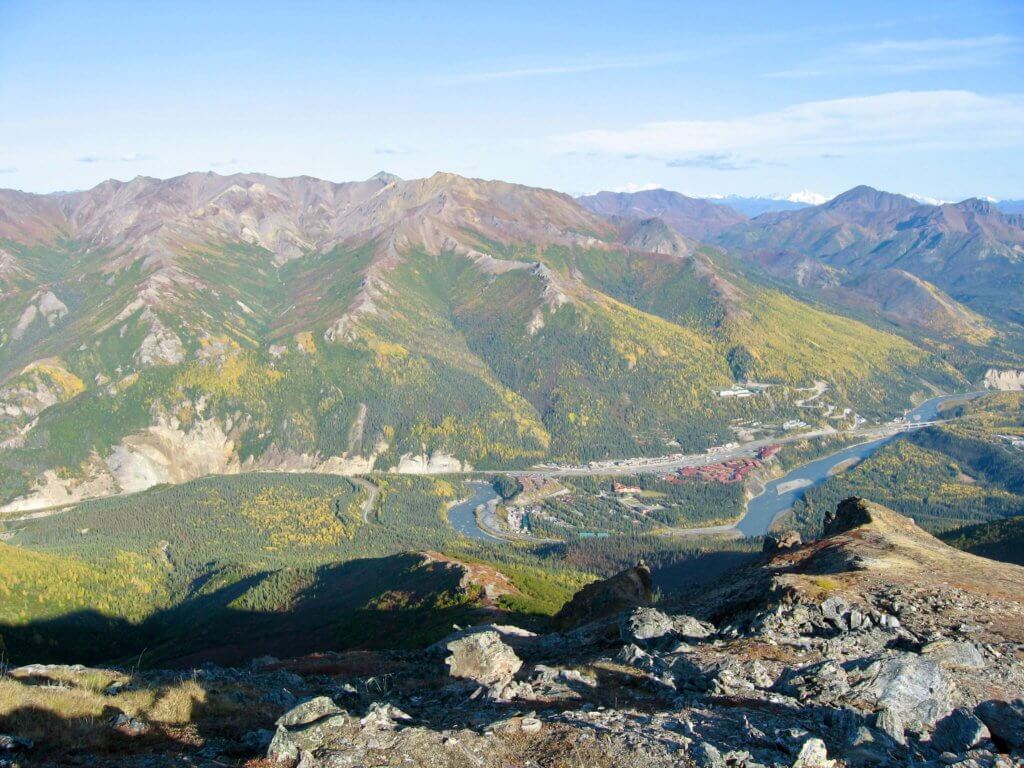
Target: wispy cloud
x,y
8,169
223,163
885,122
392,151
131,157
718,161
893,57
572,68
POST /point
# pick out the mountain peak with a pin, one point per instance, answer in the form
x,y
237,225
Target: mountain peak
x,y
865,198
385,177
691,217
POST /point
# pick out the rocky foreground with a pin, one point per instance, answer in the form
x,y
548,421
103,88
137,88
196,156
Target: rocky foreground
x,y
875,645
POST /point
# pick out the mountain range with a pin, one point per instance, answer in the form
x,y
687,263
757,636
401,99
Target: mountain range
x,y
159,330
941,267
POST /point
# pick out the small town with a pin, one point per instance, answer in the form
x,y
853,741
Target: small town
x,y
731,470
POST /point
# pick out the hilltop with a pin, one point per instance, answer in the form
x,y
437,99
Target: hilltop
x,y
876,644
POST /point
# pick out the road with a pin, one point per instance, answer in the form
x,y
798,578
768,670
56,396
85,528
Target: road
x,y
747,450
372,492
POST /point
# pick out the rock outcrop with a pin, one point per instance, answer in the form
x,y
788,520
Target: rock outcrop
x,y
1010,380
876,645
627,589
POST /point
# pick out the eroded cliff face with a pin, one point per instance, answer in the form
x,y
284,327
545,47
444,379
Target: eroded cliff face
x,y
1005,380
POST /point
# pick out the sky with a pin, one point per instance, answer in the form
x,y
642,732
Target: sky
x,y
924,98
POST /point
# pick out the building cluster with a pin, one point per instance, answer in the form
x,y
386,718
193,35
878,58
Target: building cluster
x,y
623,489
518,518
732,470
736,392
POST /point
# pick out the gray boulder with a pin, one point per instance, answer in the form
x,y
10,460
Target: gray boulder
x,y
869,746
707,755
958,732
483,658
305,728
824,683
813,755
689,628
309,712
954,654
607,597
891,724
911,686
1005,720
643,624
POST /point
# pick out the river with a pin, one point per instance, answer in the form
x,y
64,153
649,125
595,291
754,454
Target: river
x,y
780,495
777,497
462,516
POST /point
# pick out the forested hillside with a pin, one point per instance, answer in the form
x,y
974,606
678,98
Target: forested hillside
x,y
159,331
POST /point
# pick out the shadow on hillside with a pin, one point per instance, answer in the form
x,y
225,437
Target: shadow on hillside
x,y
697,571
62,721
388,602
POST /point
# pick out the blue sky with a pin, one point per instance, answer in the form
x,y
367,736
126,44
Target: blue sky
x,y
706,98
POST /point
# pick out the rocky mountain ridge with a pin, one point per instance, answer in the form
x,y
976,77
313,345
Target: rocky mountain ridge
x,y
875,645
939,268
205,323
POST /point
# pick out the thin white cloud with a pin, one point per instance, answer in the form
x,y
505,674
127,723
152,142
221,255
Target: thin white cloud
x,y
596,65
131,157
633,186
904,120
892,57
8,169
718,161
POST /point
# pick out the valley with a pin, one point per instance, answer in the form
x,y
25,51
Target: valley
x,y
243,416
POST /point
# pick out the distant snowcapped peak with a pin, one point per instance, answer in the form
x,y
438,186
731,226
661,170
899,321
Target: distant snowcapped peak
x,y
805,196
927,200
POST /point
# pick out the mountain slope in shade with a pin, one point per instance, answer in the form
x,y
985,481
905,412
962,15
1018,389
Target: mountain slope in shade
x,y
998,540
969,250
690,217
156,331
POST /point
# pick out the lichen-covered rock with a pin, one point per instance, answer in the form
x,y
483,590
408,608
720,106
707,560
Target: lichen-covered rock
x,y
483,658
907,684
310,711
813,755
954,654
644,624
305,728
689,628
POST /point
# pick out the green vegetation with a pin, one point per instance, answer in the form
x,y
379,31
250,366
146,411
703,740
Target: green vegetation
x,y
998,540
250,564
606,353
592,507
943,477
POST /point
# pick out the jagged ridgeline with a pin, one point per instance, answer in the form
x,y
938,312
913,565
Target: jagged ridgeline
x,y
157,331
